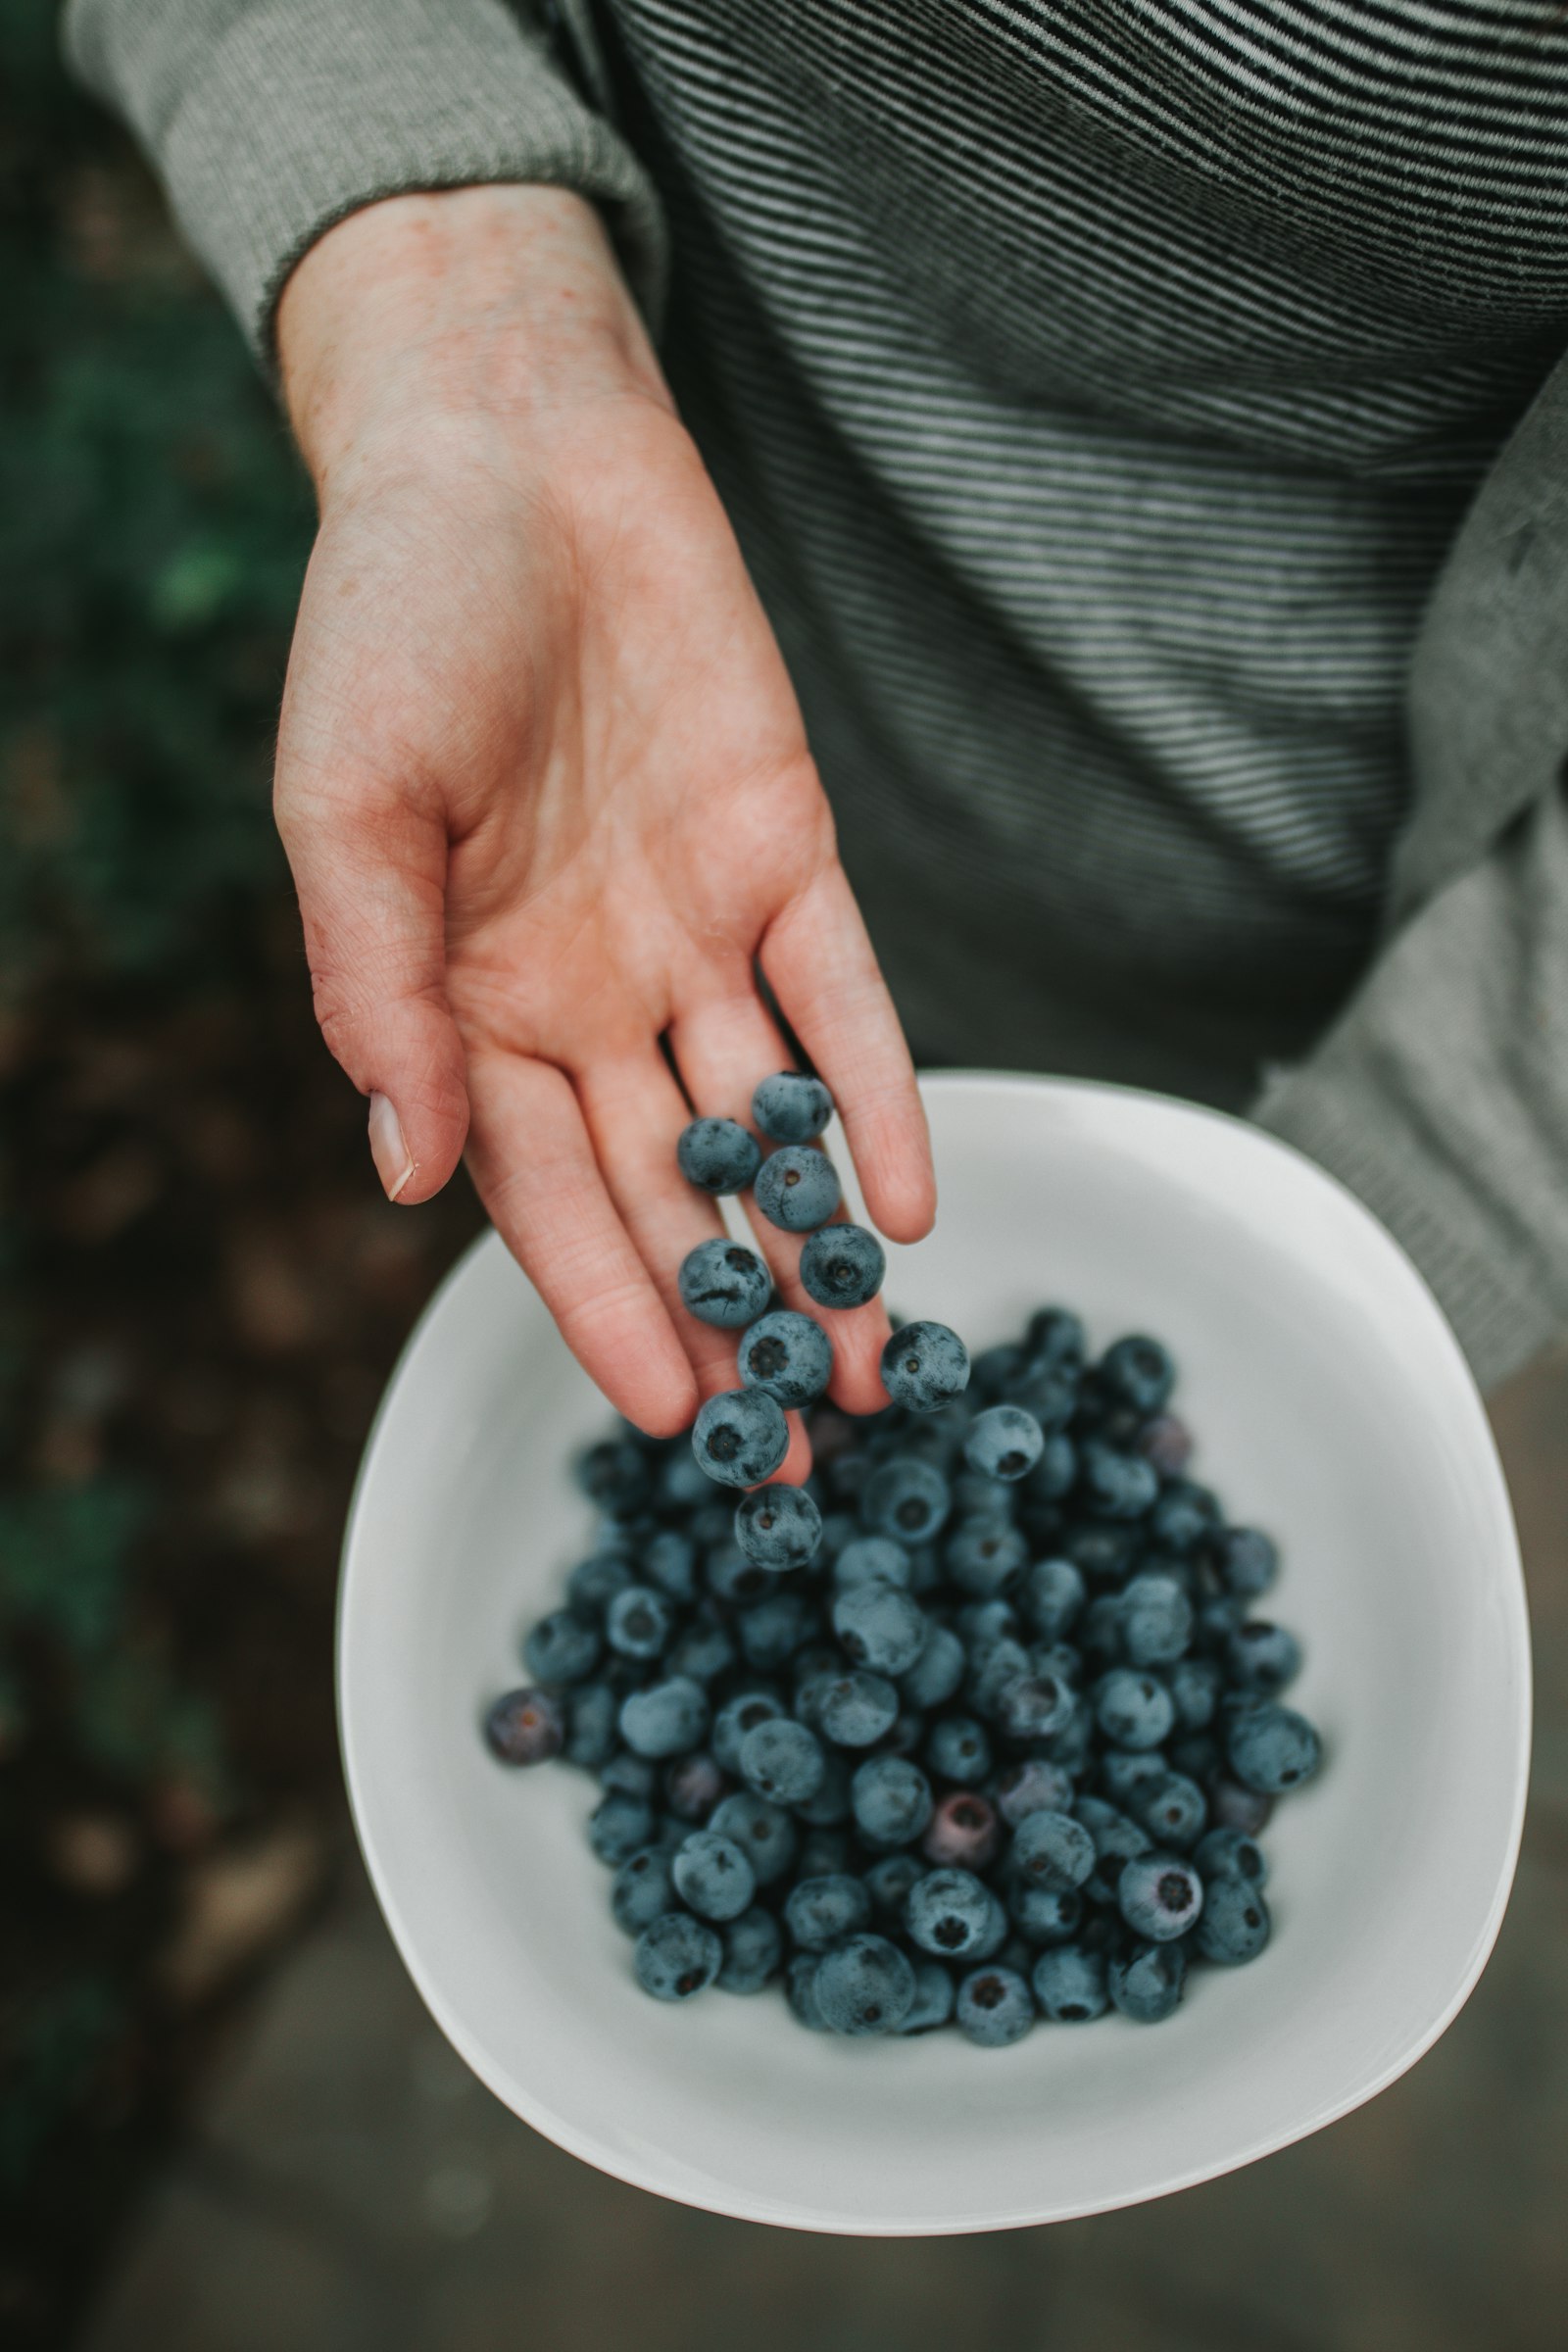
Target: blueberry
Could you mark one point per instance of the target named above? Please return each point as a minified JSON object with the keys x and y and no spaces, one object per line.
{"x":872,"y":1560}
{"x":726,"y":1284}
{"x":764,"y":1833}
{"x":994,"y":1663}
{"x":679,"y":1485}
{"x":593,"y":1727}
{"x":957,"y":1749}
{"x":639,"y":1622}
{"x":890,"y":1800}
{"x":1272,"y":1749}
{"x":718,"y":1156}
{"x":865,"y":1986}
{"x":1167,"y":1442}
{"x":692,"y":1786}
{"x":1126,"y":1773}
{"x":1184,"y":1513}
{"x":619,"y":1825}
{"x":995,"y":1367}
{"x":1173,"y":1811}
{"x":880,"y":1627}
{"x":643,"y":1891}
{"x":906,"y":1499}
{"x":634,"y":1774}
{"x":937,"y":1672}
{"x":1146,"y":1982}
{"x":1032,"y":1706}
{"x":563,"y":1647}
{"x":739,"y":1438}
{"x":1156,"y":1620}
{"x":995,"y":2007}
{"x":733,"y":1575}
{"x":702,"y":1652}
{"x":1032,"y":1787}
{"x":525,"y":1727}
{"x":1160,"y":1896}
{"x":1248,"y":1561}
{"x":753,"y":1948}
{"x":986,"y":1557}
{"x":800,"y":1990}
{"x":738,"y":1716}
{"x":1231,"y":1853}
{"x":963,"y":1830}
{"x":789,"y":1357}
{"x":1234,"y":1925}
{"x":856,"y":1708}
{"x":1051,"y":1596}
{"x":775,"y":1629}
{"x":791,"y":1108}
{"x":831,"y":1802}
{"x":1262,"y":1657}
{"x":1057,"y":1470}
{"x":782,"y":1761}
{"x":1103,"y":1548}
{"x":615,"y":1476}
{"x":842,"y":1266}
{"x":778,"y":1527}
{"x":670,"y":1559}
{"x":798,"y":1189}
{"x":677,"y":1956}
{"x":1117,"y":1840}
{"x":1070,"y":1985}
{"x":1233,"y":1807}
{"x":713,"y":1875}
{"x":932,"y":2005}
{"x":889,"y":1880}
{"x":1113,"y":1484}
{"x":1194,"y":1685}
{"x":665,"y":1719}
{"x":1051,"y":1850}
{"x":1003,"y":1442}
{"x":1133,"y":1709}
{"x":818,"y":1911}
{"x":954,"y":1915}
{"x":1138,"y":1371}
{"x":924,"y":1366}
{"x":1055,"y":1336}
{"x":594,"y":1582}
{"x":1044,"y":1913}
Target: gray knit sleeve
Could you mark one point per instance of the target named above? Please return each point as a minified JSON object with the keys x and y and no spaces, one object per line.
{"x":269,"y":119}
{"x":1441,"y":1095}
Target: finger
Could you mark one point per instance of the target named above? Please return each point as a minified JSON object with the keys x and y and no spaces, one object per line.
{"x":722,"y":1046}
{"x":634,"y":1113}
{"x":370,"y":873}
{"x":822,"y":967}
{"x":534,"y":1167}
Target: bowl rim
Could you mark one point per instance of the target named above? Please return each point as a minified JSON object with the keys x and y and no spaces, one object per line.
{"x":639,"y":2173}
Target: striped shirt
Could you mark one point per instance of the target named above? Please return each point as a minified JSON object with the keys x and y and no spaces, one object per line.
{"x":1095,"y":386}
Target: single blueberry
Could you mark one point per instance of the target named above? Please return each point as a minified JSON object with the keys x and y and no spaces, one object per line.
{"x":1173,"y":1811}
{"x":865,"y":1986}
{"x":525,"y":1727}
{"x":694,"y":1784}
{"x":593,"y":1724}
{"x":1231,"y":1853}
{"x":773,"y":1630}
{"x":679,"y":1484}
{"x":1051,"y":1596}
{"x":842,"y":1266}
{"x":1248,"y":1561}
{"x":1133,"y":1709}
{"x":1160,"y":1896}
{"x":937,"y":1672}
{"x":854,"y":1710}
{"x":1272,"y":1749}
{"x":1055,"y":1472}
{"x":954,"y":1915}
{"x":643,"y":1891}
{"x":1113,"y":1484}
{"x":800,"y":1990}
{"x":636,"y":1775}
{"x":995,"y":2007}
{"x":677,"y":1956}
{"x":1032,"y":1706}
{"x":669,"y":1558}
{"x":665,"y":1719}
{"x":594,"y":1582}
{"x":1032,"y":1787}
{"x":1156,"y":1620}
{"x":718,"y":1156}
{"x":1194,"y":1686}
{"x":738,"y":1716}
{"x":1233,"y":1807}
{"x":726,"y":1284}
{"x":778,"y":1527}
{"x":1234,"y":1925}
{"x":963,"y":1830}
{"x":615,"y":1475}
{"x":1184,"y":1513}
{"x":1044,"y":1914}
{"x":739,"y":1438}
{"x":1146,"y":1984}
{"x":1262,"y":1657}
{"x":798,"y":1189}
{"x":831,"y":1803}
{"x":889,"y":1880}
{"x":563,"y":1647}
{"x":1138,"y":1371}
{"x":1069,"y":1983}
{"x":619,"y":1825}
{"x":789,"y":1357}
{"x":764,"y":1833}
{"x":880,"y":1627}
{"x":753,"y":1949}
{"x":702,"y":1652}
{"x":1003,"y":1442}
{"x":906,"y":1499}
{"x":639,"y":1622}
{"x":957,"y":1749}
{"x":790,"y":1108}
{"x":1051,"y":1850}
{"x":713,"y":1875}
{"x":986,"y":1557}
{"x":1126,"y":1773}
{"x":890,"y":1800}
{"x":872,"y":1560}
{"x":782,"y":1761}
{"x":818,"y":1911}
{"x":932,"y":2005}
{"x":1167,"y":1442}
{"x":924,"y":1366}
{"x":1055,"y":1336}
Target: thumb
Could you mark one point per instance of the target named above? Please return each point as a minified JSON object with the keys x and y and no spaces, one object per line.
{"x":370,"y":873}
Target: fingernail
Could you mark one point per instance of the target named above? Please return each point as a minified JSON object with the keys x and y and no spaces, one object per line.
{"x":387,"y":1147}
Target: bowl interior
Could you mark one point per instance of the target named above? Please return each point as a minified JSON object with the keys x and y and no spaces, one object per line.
{"x":1332,"y":1407}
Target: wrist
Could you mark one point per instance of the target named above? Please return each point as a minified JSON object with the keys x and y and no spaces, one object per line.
{"x":455,"y":314}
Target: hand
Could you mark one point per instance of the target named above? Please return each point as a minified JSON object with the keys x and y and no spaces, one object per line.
{"x":544,"y":786}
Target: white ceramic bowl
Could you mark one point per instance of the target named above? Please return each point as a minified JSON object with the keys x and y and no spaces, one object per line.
{"x":1333,"y":1408}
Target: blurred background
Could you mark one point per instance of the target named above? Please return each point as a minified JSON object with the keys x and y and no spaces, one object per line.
{"x":224,"y":2121}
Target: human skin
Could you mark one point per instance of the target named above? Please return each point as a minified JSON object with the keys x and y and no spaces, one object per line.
{"x":544,"y":786}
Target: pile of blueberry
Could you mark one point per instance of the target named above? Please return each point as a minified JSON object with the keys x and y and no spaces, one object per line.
{"x":973,"y":1726}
